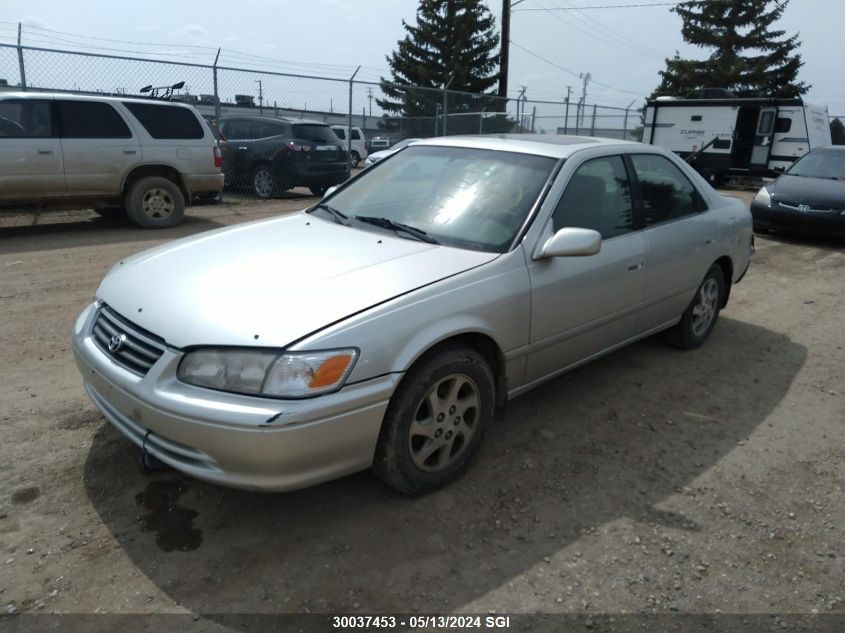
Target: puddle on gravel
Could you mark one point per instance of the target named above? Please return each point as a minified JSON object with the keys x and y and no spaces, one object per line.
{"x":172,"y":524}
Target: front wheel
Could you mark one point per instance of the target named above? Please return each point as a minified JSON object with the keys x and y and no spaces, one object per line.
{"x":155,"y":202}
{"x":435,"y":421}
{"x":700,"y":317}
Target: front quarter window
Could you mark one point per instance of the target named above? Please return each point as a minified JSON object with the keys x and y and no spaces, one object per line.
{"x":463,"y":197}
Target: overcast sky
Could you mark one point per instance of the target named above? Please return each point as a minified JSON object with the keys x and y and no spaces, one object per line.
{"x":623,"y":49}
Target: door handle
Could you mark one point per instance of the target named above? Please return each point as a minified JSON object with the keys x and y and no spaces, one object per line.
{"x":45,"y":152}
{"x":129,"y":151}
{"x":634,"y":267}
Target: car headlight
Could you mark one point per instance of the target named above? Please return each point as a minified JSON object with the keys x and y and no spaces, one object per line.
{"x":268,"y":373}
{"x":763,"y":197}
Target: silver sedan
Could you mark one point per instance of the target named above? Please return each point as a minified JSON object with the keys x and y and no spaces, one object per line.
{"x":383,"y":326}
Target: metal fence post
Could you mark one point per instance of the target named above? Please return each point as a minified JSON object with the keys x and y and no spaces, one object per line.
{"x":625,"y":126}
{"x":349,"y":128}
{"x":216,"y":94}
{"x":593,"y":124}
{"x":20,"y":60}
{"x":566,"y":118}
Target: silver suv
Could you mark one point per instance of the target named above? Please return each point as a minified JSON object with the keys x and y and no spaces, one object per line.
{"x":152,"y":157}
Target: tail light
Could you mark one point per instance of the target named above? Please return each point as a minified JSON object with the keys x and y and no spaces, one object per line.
{"x":218,"y":157}
{"x":299,"y":147}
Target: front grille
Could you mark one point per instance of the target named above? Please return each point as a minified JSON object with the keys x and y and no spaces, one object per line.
{"x":794,"y":206}
{"x":137,"y":350}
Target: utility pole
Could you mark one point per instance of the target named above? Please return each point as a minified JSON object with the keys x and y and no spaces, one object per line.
{"x":370,"y":97}
{"x":260,"y":97}
{"x":504,"y":45}
{"x":566,"y":116}
{"x":585,"y":77}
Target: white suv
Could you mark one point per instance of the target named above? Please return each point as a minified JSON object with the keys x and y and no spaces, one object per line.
{"x":359,"y":147}
{"x":150,"y":156}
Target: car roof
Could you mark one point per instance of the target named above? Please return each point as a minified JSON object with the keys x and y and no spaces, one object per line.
{"x":91,"y":97}
{"x":552,"y":145}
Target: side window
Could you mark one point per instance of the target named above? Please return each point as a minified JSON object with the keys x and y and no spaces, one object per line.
{"x":166,"y":121}
{"x":598,"y":197}
{"x":783,"y":125}
{"x":666,"y":193}
{"x":356,"y":136}
{"x":90,"y":119}
{"x":269,"y":128}
{"x":26,"y":118}
{"x":341,"y":133}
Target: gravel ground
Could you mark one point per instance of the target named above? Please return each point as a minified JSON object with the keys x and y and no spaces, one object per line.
{"x":650,"y":481}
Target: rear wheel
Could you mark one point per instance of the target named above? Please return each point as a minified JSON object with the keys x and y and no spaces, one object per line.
{"x":318,"y":190}
{"x":435,"y":421}
{"x":264,"y":182}
{"x":356,"y":158}
{"x":155,"y":202}
{"x":700,"y":317}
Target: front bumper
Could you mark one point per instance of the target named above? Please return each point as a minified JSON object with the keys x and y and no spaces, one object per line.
{"x":229,"y":439}
{"x":775,"y":217}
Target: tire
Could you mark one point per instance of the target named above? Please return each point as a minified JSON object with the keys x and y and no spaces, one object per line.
{"x":759,"y":228}
{"x":356,"y":158}
{"x":155,"y":202}
{"x":435,"y":421}
{"x":701,"y":315}
{"x":263,"y":182}
{"x":318,"y":190}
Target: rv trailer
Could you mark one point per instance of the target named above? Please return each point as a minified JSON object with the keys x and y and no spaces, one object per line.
{"x":736,"y":138}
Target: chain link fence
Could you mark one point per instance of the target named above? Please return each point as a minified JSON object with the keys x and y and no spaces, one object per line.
{"x":384,"y":111}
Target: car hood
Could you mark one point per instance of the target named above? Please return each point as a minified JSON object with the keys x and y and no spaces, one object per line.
{"x":272,"y":282}
{"x":821,"y":193}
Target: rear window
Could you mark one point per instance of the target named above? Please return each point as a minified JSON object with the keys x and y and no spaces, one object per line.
{"x":166,"y":122}
{"x":90,"y":119}
{"x":314,"y":132}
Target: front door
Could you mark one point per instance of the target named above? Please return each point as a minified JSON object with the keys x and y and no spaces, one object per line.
{"x":763,"y":138}
{"x":581,"y":306}
{"x":30,"y":152}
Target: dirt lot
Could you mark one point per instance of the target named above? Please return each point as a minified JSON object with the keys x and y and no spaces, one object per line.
{"x":652,"y":481}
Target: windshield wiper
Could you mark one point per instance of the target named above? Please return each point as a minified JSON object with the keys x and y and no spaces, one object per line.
{"x":338,"y":216}
{"x":387,"y":223}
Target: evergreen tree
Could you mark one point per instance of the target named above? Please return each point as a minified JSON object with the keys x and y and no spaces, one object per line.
{"x":837,"y":132}
{"x":747,"y":57}
{"x":453,"y":41}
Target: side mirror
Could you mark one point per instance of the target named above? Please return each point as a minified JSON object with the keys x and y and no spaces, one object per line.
{"x":572,"y":242}
{"x":330,"y":191}
{"x":780,"y":169}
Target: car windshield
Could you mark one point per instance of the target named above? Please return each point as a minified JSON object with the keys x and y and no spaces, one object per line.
{"x":468,"y":198}
{"x":314,"y":132}
{"x":821,"y":164}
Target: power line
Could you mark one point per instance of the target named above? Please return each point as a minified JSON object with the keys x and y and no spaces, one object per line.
{"x":572,"y":72}
{"x":610,"y":6}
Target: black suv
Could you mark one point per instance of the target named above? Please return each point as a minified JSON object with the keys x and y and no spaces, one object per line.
{"x":271,"y":155}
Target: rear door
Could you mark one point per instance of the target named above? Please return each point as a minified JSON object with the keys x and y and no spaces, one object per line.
{"x":30,"y":151}
{"x":680,"y":238}
{"x":98,"y":147}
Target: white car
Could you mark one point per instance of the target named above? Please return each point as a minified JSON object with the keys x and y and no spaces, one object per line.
{"x":359,"y":148}
{"x":375,"y":157}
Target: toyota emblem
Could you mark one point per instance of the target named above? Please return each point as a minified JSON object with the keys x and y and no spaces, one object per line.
{"x":116,"y":342}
